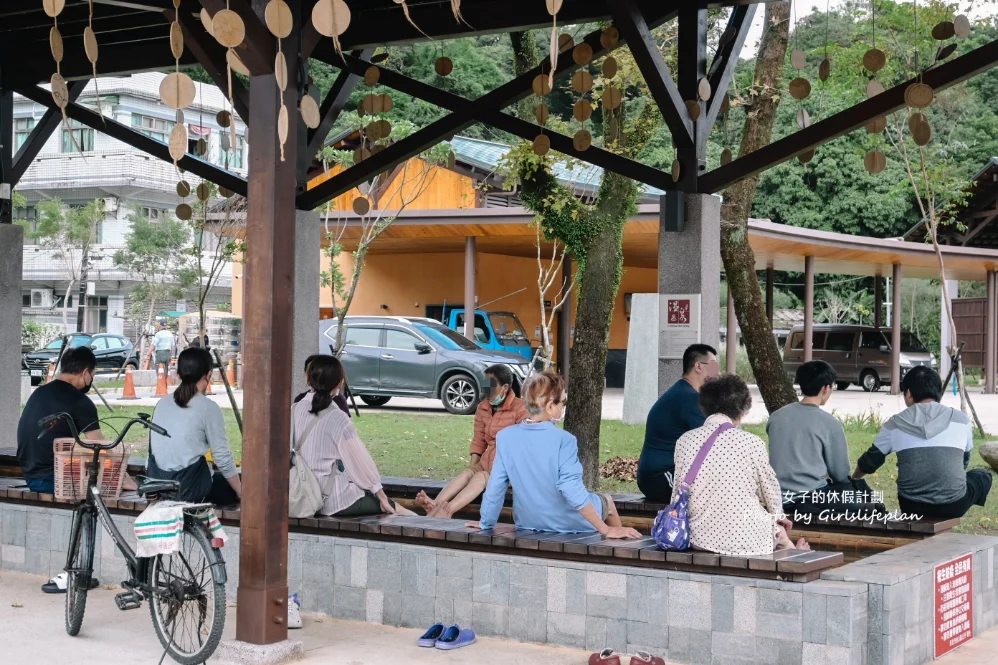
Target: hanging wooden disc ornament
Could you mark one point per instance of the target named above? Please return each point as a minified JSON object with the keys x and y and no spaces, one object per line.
{"x":554,"y":6}
{"x":582,"y":110}
{"x":278,"y":18}
{"x":877,"y":125}
{"x":235,"y":63}
{"x":90,"y":44}
{"x":726,"y":156}
{"x":282,"y":128}
{"x":443,"y":66}
{"x":177,"y":90}
{"x":228,"y":28}
{"x":565,"y":42}
{"x":612,"y":97}
{"x":677,"y":170}
{"x":360,"y":154}
{"x":178,"y":142}
{"x":693,"y":109}
{"x":361,"y":205}
{"x":55,"y":44}
{"x":225,"y":141}
{"x":180,"y":117}
{"x":372,"y":75}
{"x":582,"y":81}
{"x":184,"y":212}
{"x":60,"y":91}
{"x":541,"y":113}
{"x":609,"y":37}
{"x":331,"y":17}
{"x":921,"y":130}
{"x":451,"y":159}
{"x":203,"y":191}
{"x":806,"y":156}
{"x":875,"y":162}
{"x":943,"y":31}
{"x":582,"y":54}
{"x":703,"y":89}
{"x":803,"y":119}
{"x":610,"y":67}
{"x":945,"y":51}
{"x":225,"y":192}
{"x":961,"y":26}
{"x":201,"y":148}
{"x":582,"y":140}
{"x":206,"y":22}
{"x":310,"y":113}
{"x":176,"y":40}
{"x":541,"y":85}
{"x":800,"y":88}
{"x":725,"y":104}
{"x":53,"y":7}
{"x":542,"y":145}
{"x":824,"y":69}
{"x":798,"y":60}
{"x":874,"y":88}
{"x":918,"y":95}
{"x":183,"y":189}
{"x":223,"y":118}
{"x":874,"y":60}
{"x":380,"y":57}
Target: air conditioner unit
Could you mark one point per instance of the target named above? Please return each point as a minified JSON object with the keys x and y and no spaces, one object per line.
{"x":42,"y":298}
{"x":111,"y":204}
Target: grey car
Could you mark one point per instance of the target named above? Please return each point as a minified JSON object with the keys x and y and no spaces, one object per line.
{"x":389,"y":356}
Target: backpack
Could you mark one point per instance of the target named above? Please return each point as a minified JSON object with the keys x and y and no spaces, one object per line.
{"x":671,"y":529}
{"x":305,"y":498}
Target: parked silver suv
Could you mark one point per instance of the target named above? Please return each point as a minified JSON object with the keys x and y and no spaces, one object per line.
{"x":391,"y":356}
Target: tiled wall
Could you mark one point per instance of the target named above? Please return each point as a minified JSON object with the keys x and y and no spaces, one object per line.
{"x":877,"y":611}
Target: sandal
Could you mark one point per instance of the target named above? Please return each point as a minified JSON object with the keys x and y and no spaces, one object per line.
{"x":604,"y":657}
{"x":58,"y":584}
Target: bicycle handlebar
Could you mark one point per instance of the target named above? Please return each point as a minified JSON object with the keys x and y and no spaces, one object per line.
{"x":48,"y":422}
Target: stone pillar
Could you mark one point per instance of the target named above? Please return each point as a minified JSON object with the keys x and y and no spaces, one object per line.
{"x":308,"y":256}
{"x":949,"y":289}
{"x":731,"y":339}
{"x":990,"y":332}
{"x":690,"y":262}
{"x":808,"y":307}
{"x":896,"y":331}
{"x":470,"y":271}
{"x":11,"y":264}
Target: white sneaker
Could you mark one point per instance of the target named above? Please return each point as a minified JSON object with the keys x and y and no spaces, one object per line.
{"x":294,"y":611}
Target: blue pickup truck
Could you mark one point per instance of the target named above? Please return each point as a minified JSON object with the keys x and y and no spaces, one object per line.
{"x":498,"y":331}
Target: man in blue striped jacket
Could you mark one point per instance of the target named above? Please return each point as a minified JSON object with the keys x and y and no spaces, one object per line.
{"x":933,"y":445}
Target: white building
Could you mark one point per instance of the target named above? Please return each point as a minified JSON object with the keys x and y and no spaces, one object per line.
{"x":125,"y":179}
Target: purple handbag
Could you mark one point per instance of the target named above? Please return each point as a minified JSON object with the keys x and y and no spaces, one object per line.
{"x":672,"y":525}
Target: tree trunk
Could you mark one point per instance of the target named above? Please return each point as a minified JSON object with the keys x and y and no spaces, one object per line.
{"x":81,"y":306}
{"x":739,"y":260}
{"x":65,"y":306}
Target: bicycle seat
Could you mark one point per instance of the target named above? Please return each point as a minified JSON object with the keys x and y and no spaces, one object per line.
{"x":154,"y":486}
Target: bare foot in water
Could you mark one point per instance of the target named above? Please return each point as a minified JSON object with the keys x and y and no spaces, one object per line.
{"x":424,"y":501}
{"x":442,"y":509}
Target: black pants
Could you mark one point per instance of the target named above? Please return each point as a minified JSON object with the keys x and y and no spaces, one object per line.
{"x":978,"y":486}
{"x":197,"y":483}
{"x":365,"y":505}
{"x":657,"y":487}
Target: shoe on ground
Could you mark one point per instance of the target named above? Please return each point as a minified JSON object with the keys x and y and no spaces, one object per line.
{"x":432,"y":634}
{"x":456,"y":637}
{"x":645,"y":658}
{"x":604,"y":657}
{"x":58,"y":583}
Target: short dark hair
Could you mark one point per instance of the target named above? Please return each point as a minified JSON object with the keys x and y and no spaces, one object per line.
{"x":696,"y":353}
{"x":814,"y":375}
{"x":923,"y":383}
{"x":726,"y":394}
{"x":503,"y":374}
{"x":78,"y":360}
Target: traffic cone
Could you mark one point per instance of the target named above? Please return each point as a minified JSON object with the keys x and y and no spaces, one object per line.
{"x":129,"y":391}
{"x":173,"y":375}
{"x":230,"y":373}
{"x":51,"y":373}
{"x":211,"y":375}
{"x":160,"y":381}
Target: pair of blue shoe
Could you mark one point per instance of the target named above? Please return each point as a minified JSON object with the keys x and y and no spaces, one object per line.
{"x":441,"y":637}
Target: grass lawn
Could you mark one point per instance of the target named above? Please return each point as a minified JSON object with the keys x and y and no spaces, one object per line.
{"x":436,"y":447}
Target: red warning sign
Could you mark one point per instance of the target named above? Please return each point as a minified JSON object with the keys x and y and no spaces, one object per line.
{"x":954,"y":604}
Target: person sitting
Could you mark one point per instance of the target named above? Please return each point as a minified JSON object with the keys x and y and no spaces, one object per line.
{"x":807,"y":446}
{"x":338,"y":399}
{"x":196,"y":425}
{"x":542,"y":462}
{"x":933,"y":445}
{"x":347,"y":475}
{"x":735,"y":505}
{"x":676,"y":412}
{"x":499,"y":410}
{"x":66,"y":393}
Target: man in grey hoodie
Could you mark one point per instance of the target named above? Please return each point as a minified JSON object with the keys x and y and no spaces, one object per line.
{"x":933,"y":445}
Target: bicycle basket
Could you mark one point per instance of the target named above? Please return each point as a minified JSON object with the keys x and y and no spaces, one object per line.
{"x":71,"y":470}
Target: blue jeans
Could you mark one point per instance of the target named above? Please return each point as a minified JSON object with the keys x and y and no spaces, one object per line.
{"x":41,"y":485}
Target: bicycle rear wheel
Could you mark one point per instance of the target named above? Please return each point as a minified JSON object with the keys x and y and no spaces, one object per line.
{"x":188,"y":601}
{"x":80,"y":567}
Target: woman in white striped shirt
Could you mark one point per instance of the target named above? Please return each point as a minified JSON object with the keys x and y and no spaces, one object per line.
{"x":348,"y":477}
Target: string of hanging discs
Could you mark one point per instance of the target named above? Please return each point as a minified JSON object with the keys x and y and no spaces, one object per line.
{"x":800,"y":88}
{"x":874,"y":60}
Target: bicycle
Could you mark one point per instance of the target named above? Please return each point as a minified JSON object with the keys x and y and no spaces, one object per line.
{"x":186,"y":585}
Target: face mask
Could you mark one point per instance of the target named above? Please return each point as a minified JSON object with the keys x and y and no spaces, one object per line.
{"x":497,"y":401}
{"x":86,"y":389}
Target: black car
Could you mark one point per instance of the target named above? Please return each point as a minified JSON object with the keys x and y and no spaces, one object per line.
{"x":112,"y":352}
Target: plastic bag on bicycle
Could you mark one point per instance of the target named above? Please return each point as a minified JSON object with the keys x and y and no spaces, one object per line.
{"x":158,"y":528}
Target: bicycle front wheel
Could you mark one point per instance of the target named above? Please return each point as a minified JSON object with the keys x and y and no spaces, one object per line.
{"x":79,"y":568}
{"x":188,"y":597}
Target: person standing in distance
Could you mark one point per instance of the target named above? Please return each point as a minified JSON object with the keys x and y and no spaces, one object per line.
{"x":165,"y":344}
{"x":676,"y":412}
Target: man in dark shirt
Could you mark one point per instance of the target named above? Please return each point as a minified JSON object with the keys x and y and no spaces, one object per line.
{"x":676,"y":412}
{"x":66,"y":393}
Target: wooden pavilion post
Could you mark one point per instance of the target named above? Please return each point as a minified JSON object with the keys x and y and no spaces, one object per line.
{"x":990,"y":335}
{"x":808,"y":307}
{"x":896,"y":331}
{"x":470,"y":273}
{"x":262,"y":612}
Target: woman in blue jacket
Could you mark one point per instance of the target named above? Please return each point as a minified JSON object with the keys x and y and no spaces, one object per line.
{"x":542,"y":463}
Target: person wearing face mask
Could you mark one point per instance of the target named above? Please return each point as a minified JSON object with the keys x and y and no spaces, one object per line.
{"x":66,"y":394}
{"x":196,"y":425}
{"x":542,"y":462}
{"x":500,"y":409}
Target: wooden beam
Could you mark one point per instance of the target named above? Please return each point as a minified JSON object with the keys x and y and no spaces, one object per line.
{"x":32,"y":145}
{"x":333,"y":104}
{"x":115,"y":60}
{"x":722,"y":68}
{"x":211,"y":55}
{"x":257,"y":50}
{"x":938,"y":78}
{"x":137,"y":140}
{"x":692,"y":68}
{"x":631,"y":23}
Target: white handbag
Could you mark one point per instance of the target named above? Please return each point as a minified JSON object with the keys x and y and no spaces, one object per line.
{"x":304,"y":495}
